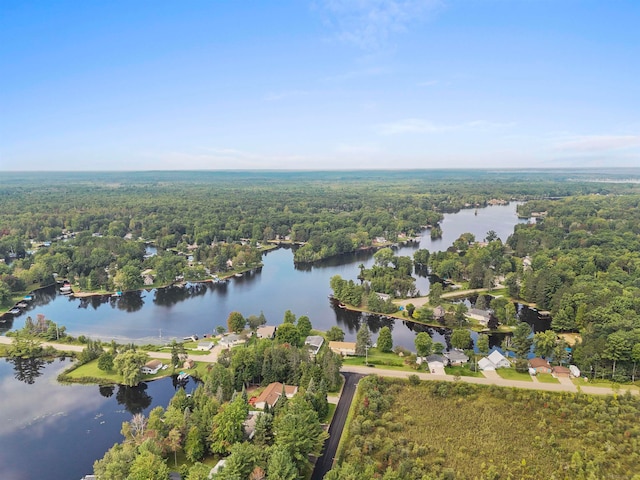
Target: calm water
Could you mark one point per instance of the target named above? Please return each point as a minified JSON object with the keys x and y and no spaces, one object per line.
{"x":158,"y":315}
{"x":54,"y":431}
{"x":68,"y":427}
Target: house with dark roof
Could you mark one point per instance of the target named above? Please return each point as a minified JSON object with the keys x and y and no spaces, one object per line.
{"x":456,"y":357}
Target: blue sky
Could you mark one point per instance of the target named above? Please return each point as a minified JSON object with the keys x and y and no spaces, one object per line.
{"x":321,"y":84}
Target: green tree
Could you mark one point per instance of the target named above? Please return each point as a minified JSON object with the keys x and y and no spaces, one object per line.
{"x":236,"y":322}
{"x":129,"y":364}
{"x":148,"y":466}
{"x":544,"y":343}
{"x":483,"y":343}
{"x":363,"y":339}
{"x":281,"y":465}
{"x":435,"y":293}
{"x":288,"y":333}
{"x":178,"y":353}
{"x":461,"y":339}
{"x":174,"y":441}
{"x":385,"y":341}
{"x":424,"y":344}
{"x":335,"y":334}
{"x":128,"y":278}
{"x":298,"y":431}
{"x":227,"y":426}
{"x":617,"y":348}
{"x":199,"y":471}
{"x":289,"y":317}
{"x":304,"y":326}
{"x":522,"y":340}
{"x":105,"y":362}
{"x":383,"y":257}
{"x":116,"y":462}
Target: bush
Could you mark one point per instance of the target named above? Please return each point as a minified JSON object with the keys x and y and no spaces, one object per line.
{"x":522,"y":366}
{"x":414,"y":379}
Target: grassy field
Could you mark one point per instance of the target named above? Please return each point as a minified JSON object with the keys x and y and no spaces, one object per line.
{"x":463,"y":431}
{"x":379,"y":359}
{"x":511,"y":374}
{"x":462,"y":371}
{"x":546,"y":378}
{"x":91,"y":370}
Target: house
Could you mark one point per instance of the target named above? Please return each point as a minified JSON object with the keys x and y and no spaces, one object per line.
{"x":481,"y":316}
{"x":272,"y":393}
{"x":343,"y":348}
{"x":493,"y":361}
{"x":148,"y":280}
{"x":266,"y":331}
{"x":188,"y":363}
{"x":249,"y":424}
{"x":383,"y":296}
{"x":152,"y":367}
{"x":438,"y":313}
{"x":539,"y":365}
{"x":434,"y":361}
{"x":314,"y":342}
{"x":456,"y":357}
{"x":561,"y":371}
{"x":205,"y":346}
{"x":232,"y":340}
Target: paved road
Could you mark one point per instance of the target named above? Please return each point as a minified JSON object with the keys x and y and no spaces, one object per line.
{"x":211,"y":357}
{"x":325,"y":462}
{"x":497,"y":380}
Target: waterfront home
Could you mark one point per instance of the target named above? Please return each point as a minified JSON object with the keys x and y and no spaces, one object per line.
{"x":539,"y":365}
{"x":272,"y":393}
{"x":266,"y":331}
{"x":493,"y":361}
{"x":152,"y":367}
{"x":343,"y":348}
{"x":205,"y":346}
{"x":188,"y":363}
{"x":456,"y":357}
{"x":435,"y":362}
{"x":438,"y":313}
{"x":232,"y":340}
{"x":481,"y":316}
{"x":314,"y":342}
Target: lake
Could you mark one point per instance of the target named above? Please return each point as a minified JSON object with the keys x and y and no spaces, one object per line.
{"x":68,"y":427}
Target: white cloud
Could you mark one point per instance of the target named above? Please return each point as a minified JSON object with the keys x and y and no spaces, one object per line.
{"x":369,"y":23}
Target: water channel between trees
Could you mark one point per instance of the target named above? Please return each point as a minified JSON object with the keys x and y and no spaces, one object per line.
{"x":74,"y":425}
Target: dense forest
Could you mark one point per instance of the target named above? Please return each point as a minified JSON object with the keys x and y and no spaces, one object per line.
{"x":93,"y":229}
{"x":437,"y":431}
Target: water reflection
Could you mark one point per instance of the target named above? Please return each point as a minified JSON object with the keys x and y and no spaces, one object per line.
{"x":134,"y":399}
{"x":130,"y":301}
{"x":106,"y":390}
{"x":28,"y":369}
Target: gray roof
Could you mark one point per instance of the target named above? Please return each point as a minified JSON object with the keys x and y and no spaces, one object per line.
{"x":456,"y":356}
{"x":436,"y":358}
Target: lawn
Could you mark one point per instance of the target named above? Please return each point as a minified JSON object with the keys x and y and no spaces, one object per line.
{"x":332,"y":410}
{"x":511,"y":374}
{"x":91,"y":370}
{"x":547,"y":378}
{"x":462,"y":371}
{"x":379,"y":359}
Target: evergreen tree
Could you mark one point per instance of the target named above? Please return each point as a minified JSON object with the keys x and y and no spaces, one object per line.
{"x":363,"y":339}
{"x":385,"y":341}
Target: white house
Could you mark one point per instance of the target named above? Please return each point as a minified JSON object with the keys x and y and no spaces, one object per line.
{"x":205,"y":346}
{"x":266,"y":331}
{"x":493,"y":361}
{"x":152,"y":367}
{"x":575,"y":371}
{"x":231,"y":340}
{"x":314,"y":342}
{"x":482,"y":316}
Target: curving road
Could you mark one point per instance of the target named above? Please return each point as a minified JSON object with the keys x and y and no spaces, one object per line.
{"x":325,"y":462}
